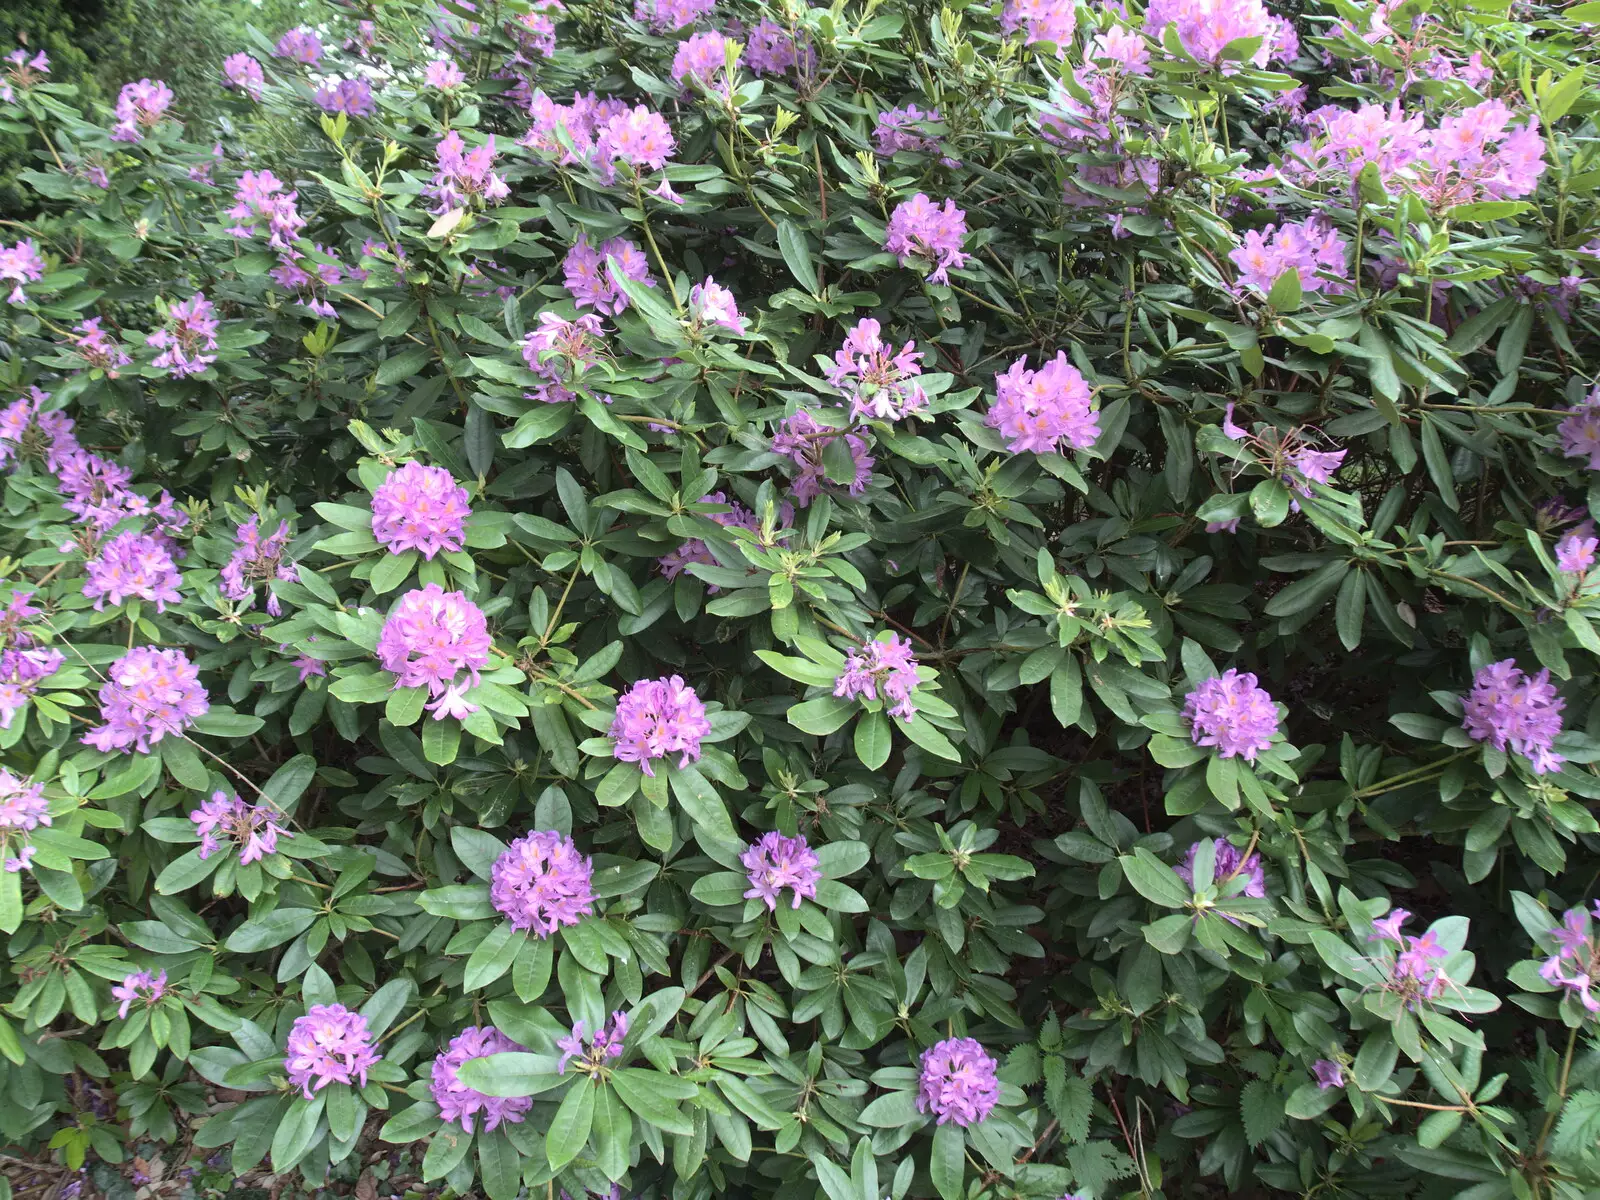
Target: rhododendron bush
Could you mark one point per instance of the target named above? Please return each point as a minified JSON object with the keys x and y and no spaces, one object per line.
{"x":707,"y":599}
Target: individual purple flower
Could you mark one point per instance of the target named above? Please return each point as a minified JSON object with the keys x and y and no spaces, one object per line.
{"x":301,"y":46}
{"x":132,"y":566}
{"x":1229,"y":862}
{"x":957,"y":1082}
{"x":190,"y":335}
{"x":1052,"y":21}
{"x":22,"y":670}
{"x":330,"y":1044}
{"x":21,"y":263}
{"x":541,"y":883}
{"x":353,"y":97}
{"x":23,"y":806}
{"x":252,"y":828}
{"x":465,"y":177}
{"x":883,"y":669}
{"x":1038,"y":410}
{"x":444,"y":75}
{"x":777,"y":862}
{"x":637,"y":136}
{"x":921,"y":230}
{"x":139,"y":987}
{"x":1579,"y":430}
{"x":1126,"y":50}
{"x":1312,"y":249}
{"x":457,"y":1102}
{"x":656,"y":718}
{"x":560,"y":351}
{"x":702,"y":60}
{"x":1230,"y":712}
{"x":1387,"y":929}
{"x":256,"y":559}
{"x":98,"y":348}
{"x":897,"y":130}
{"x":260,"y":197}
{"x":769,"y":50}
{"x":879,"y":380}
{"x":591,"y":281}
{"x":141,"y":107}
{"x":1576,"y":964}
{"x":802,"y":438}
{"x":149,"y":693}
{"x":241,"y":72}
{"x":1328,"y":1074}
{"x":1511,"y":710}
{"x":1416,"y":974}
{"x":22,"y":72}
{"x":712,"y":304}
{"x":430,"y":638}
{"x":593,"y":1053}
{"x":663,"y":16}
{"x":420,"y":508}
{"x":1575,"y":551}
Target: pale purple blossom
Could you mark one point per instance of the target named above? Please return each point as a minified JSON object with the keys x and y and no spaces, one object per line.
{"x":149,"y":693}
{"x":777,"y":862}
{"x":1051,"y":21}
{"x":444,"y":75}
{"x":803,"y":438}
{"x":252,"y":828}
{"x":702,"y":61}
{"x":330,"y":1044}
{"x":420,"y":508}
{"x":1575,"y":551}
{"x":1387,"y":928}
{"x":430,"y":639}
{"x":656,"y":718}
{"x":1124,"y":48}
{"x":139,"y":987}
{"x":132,"y":566}
{"x":922,"y":230}
{"x":769,"y":49}
{"x":21,"y":263}
{"x":22,"y":72}
{"x":664,"y":16}
{"x":301,"y":46}
{"x":898,"y":129}
{"x":712,"y":304}
{"x":465,"y":177}
{"x":353,"y":97}
{"x":1328,"y":1074}
{"x":1580,"y":430}
{"x":256,"y":559}
{"x":141,"y":107}
{"x":1514,"y":711}
{"x":1038,"y":410}
{"x":879,"y":380}
{"x":1228,"y":863}
{"x":1231,"y":713}
{"x":99,"y":349}
{"x":260,"y":197}
{"x":560,"y":351}
{"x":541,"y":883}
{"x":593,"y":1053}
{"x":1312,"y":249}
{"x":458,"y":1103}
{"x":1207,"y":27}
{"x":957,"y":1082}
{"x":884,"y":670}
{"x":23,"y":806}
{"x":242,"y":72}
{"x":593,"y":283}
{"x":1576,"y":964}
{"x":188,"y":339}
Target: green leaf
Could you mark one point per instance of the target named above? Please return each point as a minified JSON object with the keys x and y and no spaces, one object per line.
{"x":492,"y":957}
{"x":1154,"y":880}
{"x":448,"y":1147}
{"x":387,"y":1003}
{"x":822,"y":715}
{"x":1260,"y":1110}
{"x":293,"y":1137}
{"x":463,"y":902}
{"x":873,"y":740}
{"x":947,"y":1162}
{"x":412,"y":1123}
{"x":271,"y":930}
{"x":512,"y":1074}
{"x":1269,"y":501}
{"x":477,"y":850}
{"x":499,"y":1166}
{"x":701,"y":801}
{"x":922,"y":732}
{"x":289,"y":782}
{"x":179,"y":757}
{"x":403,"y":365}
{"x":893,"y":1110}
{"x":1287,"y":294}
{"x":644,"y":1092}
{"x":720,"y":888}
{"x":1304,"y":595}
{"x":569,"y":1129}
{"x":183,"y":872}
{"x":390,"y":571}
{"x":797,"y":255}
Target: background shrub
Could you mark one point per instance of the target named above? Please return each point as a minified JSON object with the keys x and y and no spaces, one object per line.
{"x":889,"y":599}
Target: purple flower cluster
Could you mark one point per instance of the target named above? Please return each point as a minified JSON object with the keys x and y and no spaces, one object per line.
{"x":253,"y":828}
{"x":241,"y":72}
{"x":897,"y":130}
{"x":639,"y":137}
{"x":22,"y":72}
{"x":353,"y":97}
{"x":957,"y":1082}
{"x":694,"y":550}
{"x":712,"y":304}
{"x":922,"y":230}
{"x":1312,"y":249}
{"x":1576,"y":963}
{"x":258,"y":559}
{"x":1511,"y":710}
{"x":1052,"y":21}
{"x":98,"y":348}
{"x":330,"y":1044}
{"x":420,"y":508}
{"x":429,"y":639}
{"x":663,"y":16}
{"x":444,"y":75}
{"x":1038,"y":410}
{"x":24,"y":664}
{"x":21,"y":263}
{"x":1415,"y":975}
{"x":301,"y":46}
{"x":259,"y":197}
{"x":879,"y":381}
{"x":1206,"y":27}
{"x":1575,"y":551}
{"x":459,"y":1103}
{"x":465,"y":177}
{"x":594,"y":1052}
{"x":1580,"y":430}
{"x":23,"y":808}
{"x":560,"y":351}
{"x":702,"y":61}
{"x":1228,"y":863}
{"x":535,"y":30}
{"x":656,"y":718}
{"x":139,"y":987}
{"x":591,"y":281}
{"x":132,"y":566}
{"x":140,"y":108}
{"x":802,"y":438}
{"x":541,"y":882}
{"x":1230,"y":712}
{"x":309,"y":286}
{"x":580,"y":121}
{"x":883,"y":669}
{"x":770,"y":50}
{"x":190,"y":335}
{"x":777,"y":862}
{"x":148,"y":694}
